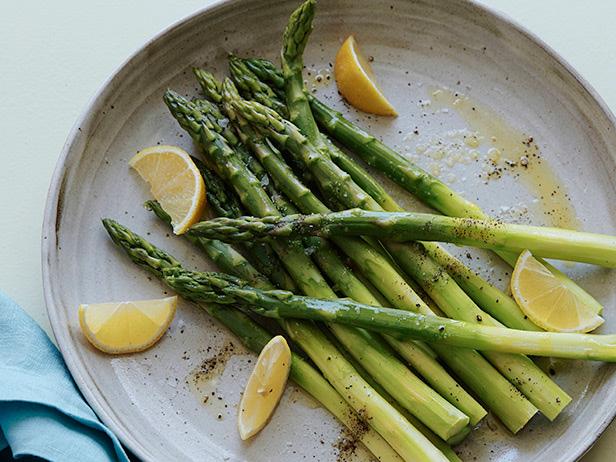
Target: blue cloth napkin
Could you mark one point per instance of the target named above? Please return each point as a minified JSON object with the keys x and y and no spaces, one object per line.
{"x":42,"y":413}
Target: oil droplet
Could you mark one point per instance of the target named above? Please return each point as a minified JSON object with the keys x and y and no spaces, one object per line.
{"x":494,"y":154}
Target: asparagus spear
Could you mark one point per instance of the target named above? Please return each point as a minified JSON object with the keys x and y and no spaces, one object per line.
{"x":254,"y":336}
{"x":409,"y":226}
{"x":437,"y":413}
{"x":372,"y":260}
{"x":278,"y":304}
{"x":443,"y":446}
{"x":294,"y":42}
{"x":540,"y":389}
{"x":266,"y":71}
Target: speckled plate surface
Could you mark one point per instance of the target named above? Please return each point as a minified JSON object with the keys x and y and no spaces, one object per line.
{"x":473,"y":92}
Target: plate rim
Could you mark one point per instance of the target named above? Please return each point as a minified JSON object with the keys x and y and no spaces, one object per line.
{"x":53,"y":207}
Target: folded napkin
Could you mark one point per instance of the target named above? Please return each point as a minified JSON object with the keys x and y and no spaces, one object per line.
{"x":42,"y":413}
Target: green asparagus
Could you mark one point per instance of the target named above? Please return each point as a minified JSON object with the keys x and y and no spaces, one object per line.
{"x":233,"y":263}
{"x":545,"y":242}
{"x":259,"y":92}
{"x":217,"y":287}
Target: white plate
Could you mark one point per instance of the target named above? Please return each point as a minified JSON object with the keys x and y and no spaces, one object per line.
{"x":149,"y":399}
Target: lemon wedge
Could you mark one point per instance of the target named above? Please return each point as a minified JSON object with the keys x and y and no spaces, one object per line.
{"x":175,"y":181}
{"x":356,"y":81}
{"x":547,"y":301}
{"x":265,"y":387}
{"x":126,"y":327}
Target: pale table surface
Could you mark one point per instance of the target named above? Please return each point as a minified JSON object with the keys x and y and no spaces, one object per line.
{"x":55,"y":55}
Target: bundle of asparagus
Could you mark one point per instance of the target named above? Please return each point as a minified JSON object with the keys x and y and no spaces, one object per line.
{"x":414,"y":313}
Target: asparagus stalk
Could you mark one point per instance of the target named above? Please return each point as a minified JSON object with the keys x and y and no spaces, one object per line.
{"x":540,"y":390}
{"x":437,"y":413}
{"x":266,"y":71}
{"x":294,"y":42}
{"x":221,"y":288}
{"x":254,"y":336}
{"x":370,"y":259}
{"x":409,"y":226}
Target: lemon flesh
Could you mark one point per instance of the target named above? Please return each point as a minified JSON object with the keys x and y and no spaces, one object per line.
{"x":547,"y":301}
{"x":356,"y":81}
{"x":126,"y":327}
{"x":265,"y":387}
{"x":175,"y":182}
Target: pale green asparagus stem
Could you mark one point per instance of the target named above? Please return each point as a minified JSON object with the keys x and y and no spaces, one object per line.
{"x":443,"y":446}
{"x":410,"y":226}
{"x":220,"y":288}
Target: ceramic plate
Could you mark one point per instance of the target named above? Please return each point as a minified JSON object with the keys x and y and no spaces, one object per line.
{"x":473,"y":91}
